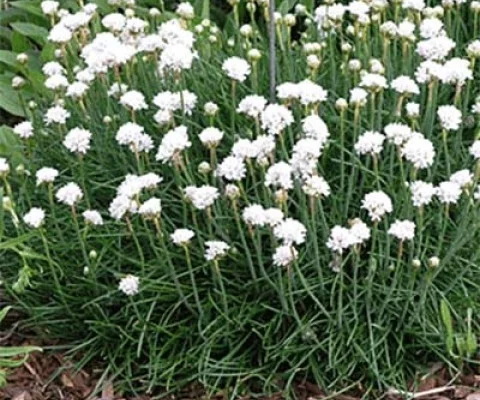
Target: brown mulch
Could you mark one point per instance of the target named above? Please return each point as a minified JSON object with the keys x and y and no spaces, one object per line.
{"x":51,"y":376}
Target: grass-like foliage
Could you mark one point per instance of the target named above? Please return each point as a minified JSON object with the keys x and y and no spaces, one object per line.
{"x":162,"y":215}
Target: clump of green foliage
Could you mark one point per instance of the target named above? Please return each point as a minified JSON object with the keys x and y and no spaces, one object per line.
{"x":344,"y":253}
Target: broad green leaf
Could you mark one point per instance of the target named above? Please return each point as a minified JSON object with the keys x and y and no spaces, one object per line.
{"x":36,"y":78}
{"x":103,"y":6}
{"x":48,"y":52}
{"x":9,"y":58}
{"x":32,"y":7}
{"x":10,"y":145}
{"x":10,"y":15}
{"x":10,"y":102}
{"x":35,"y":32}
{"x":286,"y":6}
{"x":20,"y":43}
{"x":5,"y":34}
{"x":202,"y":7}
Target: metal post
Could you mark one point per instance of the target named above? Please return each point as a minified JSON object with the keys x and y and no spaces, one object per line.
{"x":272,"y":51}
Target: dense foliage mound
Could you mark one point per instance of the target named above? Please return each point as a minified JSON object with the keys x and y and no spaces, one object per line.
{"x":160,"y":213}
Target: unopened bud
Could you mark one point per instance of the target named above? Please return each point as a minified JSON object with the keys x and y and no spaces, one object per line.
{"x":204,"y":168}
{"x":433,"y":262}
{"x":22,"y":58}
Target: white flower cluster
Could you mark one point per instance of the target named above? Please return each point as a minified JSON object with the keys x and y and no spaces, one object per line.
{"x":342,"y":238}
{"x":133,"y":135}
{"x":282,"y":152}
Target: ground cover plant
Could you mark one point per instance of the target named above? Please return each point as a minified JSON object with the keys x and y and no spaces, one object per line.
{"x":163,"y":214}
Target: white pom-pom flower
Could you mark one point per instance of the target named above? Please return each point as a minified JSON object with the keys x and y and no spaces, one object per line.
{"x":129,"y":285}
{"x":34,"y":218}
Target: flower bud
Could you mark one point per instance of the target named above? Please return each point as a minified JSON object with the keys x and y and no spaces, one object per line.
{"x":254,"y":55}
{"x":277,"y":18}
{"x":310,"y":48}
{"x":18,"y":82}
{"x":434,"y":262}
{"x":281,"y":196}
{"x":246,"y":30}
{"x":92,"y":255}
{"x":20,"y":169}
{"x":204,"y":168}
{"x":346,"y":48}
{"x":289,"y":20}
{"x":251,"y":7}
{"x":210,"y":109}
{"x":313,"y":61}
{"x":22,"y":58}
{"x":232,"y":191}
{"x":341,"y":104}
{"x":416,"y":263}
{"x":300,"y":9}
{"x":7,"y":203}
{"x":154,"y":12}
{"x":354,"y":65}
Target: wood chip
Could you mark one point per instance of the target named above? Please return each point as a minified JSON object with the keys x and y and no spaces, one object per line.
{"x":23,"y":396}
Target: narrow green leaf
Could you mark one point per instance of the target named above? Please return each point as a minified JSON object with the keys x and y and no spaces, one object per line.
{"x":447,"y":322}
{"x":2,"y":215}
{"x":17,"y":350}
{"x":7,"y":363}
{"x":3,"y":313}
